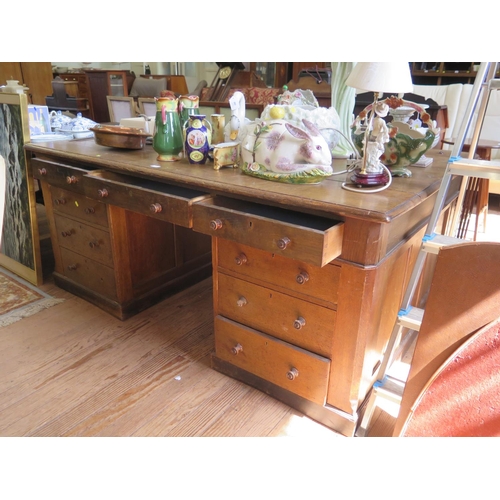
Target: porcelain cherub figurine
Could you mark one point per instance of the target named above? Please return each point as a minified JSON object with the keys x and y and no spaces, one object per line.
{"x":378,"y":137}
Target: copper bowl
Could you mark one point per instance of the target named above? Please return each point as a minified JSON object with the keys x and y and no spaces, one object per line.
{"x":120,"y":137}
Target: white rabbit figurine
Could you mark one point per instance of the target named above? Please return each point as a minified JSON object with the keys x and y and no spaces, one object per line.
{"x":280,"y":147}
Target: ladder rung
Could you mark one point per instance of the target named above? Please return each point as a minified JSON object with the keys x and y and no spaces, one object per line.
{"x":476,"y":168}
{"x":495,"y":83}
{"x":390,"y":388}
{"x":439,"y":241}
{"x":412,"y":319}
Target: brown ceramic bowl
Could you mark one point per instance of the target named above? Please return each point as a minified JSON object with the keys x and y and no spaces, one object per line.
{"x":120,"y":137}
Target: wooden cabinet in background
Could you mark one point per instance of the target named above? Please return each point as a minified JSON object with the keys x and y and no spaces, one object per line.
{"x":444,"y":73}
{"x":102,"y":83}
{"x":37,"y":76}
{"x":95,"y":85}
{"x":75,"y":84}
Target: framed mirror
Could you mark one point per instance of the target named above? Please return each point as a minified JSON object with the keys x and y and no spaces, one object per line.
{"x":20,"y":244}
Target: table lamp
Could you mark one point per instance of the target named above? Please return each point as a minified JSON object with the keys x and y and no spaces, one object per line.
{"x":379,"y":78}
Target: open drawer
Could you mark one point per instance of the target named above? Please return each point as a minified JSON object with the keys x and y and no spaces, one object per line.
{"x":155,"y":199}
{"x":308,"y":238}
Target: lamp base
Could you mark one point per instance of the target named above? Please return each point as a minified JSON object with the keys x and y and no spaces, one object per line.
{"x":371,"y":179}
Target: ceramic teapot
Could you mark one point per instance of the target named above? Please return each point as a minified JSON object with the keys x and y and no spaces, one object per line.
{"x":57,"y":120}
{"x":14,"y":87}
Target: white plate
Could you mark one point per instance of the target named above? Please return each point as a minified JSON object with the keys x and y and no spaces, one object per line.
{"x":50,"y":137}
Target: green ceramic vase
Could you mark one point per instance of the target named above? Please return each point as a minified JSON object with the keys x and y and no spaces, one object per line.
{"x":168,"y":140}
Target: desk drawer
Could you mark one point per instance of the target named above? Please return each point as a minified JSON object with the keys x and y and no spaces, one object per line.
{"x":59,"y":175}
{"x":291,"y":319}
{"x":318,"y":282}
{"x":77,"y":205}
{"x":89,"y":273}
{"x":84,"y":239}
{"x":312,"y":239}
{"x":282,"y":364}
{"x":155,"y":199}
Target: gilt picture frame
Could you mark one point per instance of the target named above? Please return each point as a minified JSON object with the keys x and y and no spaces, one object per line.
{"x":20,"y":244}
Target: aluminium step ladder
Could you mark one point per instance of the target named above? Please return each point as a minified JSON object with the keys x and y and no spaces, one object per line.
{"x":390,"y":385}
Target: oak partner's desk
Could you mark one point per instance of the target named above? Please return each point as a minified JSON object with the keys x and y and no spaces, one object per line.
{"x":307,"y":279}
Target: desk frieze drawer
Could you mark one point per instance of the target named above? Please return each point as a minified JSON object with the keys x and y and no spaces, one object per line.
{"x":60,"y":175}
{"x":313,"y":281}
{"x":152,"y":198}
{"x":89,"y":273}
{"x":288,"y":318}
{"x":292,"y":368}
{"x":79,"y":206}
{"x":312,"y":239}
{"x":84,"y":239}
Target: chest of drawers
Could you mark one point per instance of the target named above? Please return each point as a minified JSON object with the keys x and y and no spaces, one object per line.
{"x":116,"y":242}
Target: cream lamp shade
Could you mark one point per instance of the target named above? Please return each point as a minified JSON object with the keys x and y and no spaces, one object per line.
{"x":381,"y":77}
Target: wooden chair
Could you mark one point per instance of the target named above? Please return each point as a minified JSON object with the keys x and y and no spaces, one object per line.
{"x":147,"y":106}
{"x":464,"y":296}
{"x":462,"y":398}
{"x":121,"y":107}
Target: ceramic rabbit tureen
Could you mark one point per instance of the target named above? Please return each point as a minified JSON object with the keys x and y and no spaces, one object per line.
{"x":279,"y":151}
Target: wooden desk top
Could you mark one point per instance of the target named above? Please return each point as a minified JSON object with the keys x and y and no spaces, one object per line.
{"x":327,"y":198}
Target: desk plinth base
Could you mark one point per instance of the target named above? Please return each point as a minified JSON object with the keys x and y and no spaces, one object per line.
{"x":330,"y":417}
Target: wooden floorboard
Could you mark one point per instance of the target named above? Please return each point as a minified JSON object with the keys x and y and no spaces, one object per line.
{"x":74,"y":370}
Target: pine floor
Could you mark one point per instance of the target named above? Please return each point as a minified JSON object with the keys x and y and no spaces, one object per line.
{"x":74,"y":370}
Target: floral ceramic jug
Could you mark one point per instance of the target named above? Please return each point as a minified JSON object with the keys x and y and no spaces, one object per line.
{"x":167,"y":140}
{"x":198,"y":139}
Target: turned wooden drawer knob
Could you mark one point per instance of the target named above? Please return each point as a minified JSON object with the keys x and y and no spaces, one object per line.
{"x":64,"y":234}
{"x":156,"y":208}
{"x":42,"y":171}
{"x":102,"y":192}
{"x":292,"y":374}
{"x":72,"y":267}
{"x":302,"y":277}
{"x":215,"y":224}
{"x":237,"y":349}
{"x":241,"y":302}
{"x":93,"y":244}
{"x":71,"y":179}
{"x":60,"y":201}
{"x":241,"y":259}
{"x":299,"y":323}
{"x":90,"y":210}
{"x":283,"y":243}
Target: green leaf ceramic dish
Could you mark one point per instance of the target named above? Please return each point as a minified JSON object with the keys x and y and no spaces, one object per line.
{"x":312,"y":176}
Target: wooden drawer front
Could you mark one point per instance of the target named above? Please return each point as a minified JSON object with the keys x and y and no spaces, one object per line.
{"x":318,"y":282}
{"x":296,"y":321}
{"x":59,"y":175}
{"x":163,"y":201}
{"x":79,"y":206}
{"x":82,"y":238}
{"x":89,"y":273}
{"x":311,"y":239}
{"x":282,"y":364}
